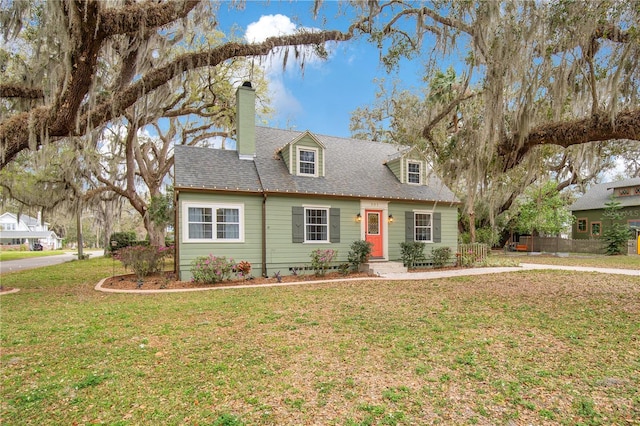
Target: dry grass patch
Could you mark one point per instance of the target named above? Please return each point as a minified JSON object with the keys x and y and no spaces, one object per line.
{"x":518,"y":348}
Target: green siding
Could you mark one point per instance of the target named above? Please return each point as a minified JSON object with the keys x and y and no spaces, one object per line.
{"x":395,"y":167}
{"x":249,"y":250}
{"x":399,"y":167}
{"x":413,"y":155}
{"x":397,"y":230}
{"x":282,"y":253}
{"x":286,"y":157}
{"x":628,"y":213}
{"x":246,"y":111}
{"x":308,"y":142}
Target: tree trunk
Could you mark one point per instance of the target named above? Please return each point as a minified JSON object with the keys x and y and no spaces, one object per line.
{"x":156,"y":233}
{"x":79,"y":233}
{"x":472,"y":226}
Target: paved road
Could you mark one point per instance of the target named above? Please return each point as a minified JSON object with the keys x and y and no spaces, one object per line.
{"x":39,"y":262}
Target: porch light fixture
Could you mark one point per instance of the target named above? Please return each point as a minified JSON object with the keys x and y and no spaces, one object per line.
{"x":358,"y":217}
{"x":390,"y":218}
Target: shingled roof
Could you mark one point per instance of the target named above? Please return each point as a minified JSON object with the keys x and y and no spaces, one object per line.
{"x":353,"y":168}
{"x":598,"y":195}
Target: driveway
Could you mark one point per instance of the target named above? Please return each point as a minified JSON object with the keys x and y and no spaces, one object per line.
{"x":39,"y":262}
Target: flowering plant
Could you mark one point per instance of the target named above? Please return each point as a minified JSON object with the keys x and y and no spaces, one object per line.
{"x":466,"y":258}
{"x":211,"y":269}
{"x":242,"y":269}
{"x":320,"y":260}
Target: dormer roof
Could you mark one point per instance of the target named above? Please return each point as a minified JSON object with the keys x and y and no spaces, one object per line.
{"x":352,"y":168}
{"x":598,"y":195}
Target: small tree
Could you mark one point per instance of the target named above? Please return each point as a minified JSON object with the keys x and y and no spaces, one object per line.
{"x":544,"y":211}
{"x":615,"y":234}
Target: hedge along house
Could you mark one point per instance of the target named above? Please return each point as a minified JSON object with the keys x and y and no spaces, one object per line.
{"x":589,"y":209}
{"x":284,"y":194}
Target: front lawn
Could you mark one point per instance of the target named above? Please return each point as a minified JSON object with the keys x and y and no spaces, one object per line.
{"x":16,"y":254}
{"x":528,"y":347}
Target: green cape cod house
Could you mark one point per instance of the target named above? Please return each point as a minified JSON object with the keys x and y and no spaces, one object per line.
{"x":589,"y":208}
{"x":284,"y":194}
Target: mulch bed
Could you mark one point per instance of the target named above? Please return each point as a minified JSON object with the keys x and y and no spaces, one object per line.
{"x":168,"y":281}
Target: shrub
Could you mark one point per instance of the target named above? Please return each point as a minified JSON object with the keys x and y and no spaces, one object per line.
{"x":412,"y":253}
{"x":120,"y":240}
{"x":211,"y":269}
{"x":320,"y":260}
{"x":143,"y":260}
{"x":359,"y":254}
{"x":440,"y":256}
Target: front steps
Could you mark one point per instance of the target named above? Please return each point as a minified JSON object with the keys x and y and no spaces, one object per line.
{"x":382,"y":268}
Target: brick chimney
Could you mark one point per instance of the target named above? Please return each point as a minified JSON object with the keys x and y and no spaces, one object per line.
{"x":246,"y":121}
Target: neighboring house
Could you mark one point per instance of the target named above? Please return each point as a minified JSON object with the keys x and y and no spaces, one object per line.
{"x":27,"y":231}
{"x":589,"y":208}
{"x":284,"y":194}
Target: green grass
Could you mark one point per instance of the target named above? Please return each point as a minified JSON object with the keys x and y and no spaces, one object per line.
{"x":528,"y":347}
{"x":15,"y":254}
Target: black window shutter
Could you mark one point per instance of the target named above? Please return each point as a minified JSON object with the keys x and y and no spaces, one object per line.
{"x":297,"y":221}
{"x":437,"y":228}
{"x":409,"y":235}
{"x":334,"y":225}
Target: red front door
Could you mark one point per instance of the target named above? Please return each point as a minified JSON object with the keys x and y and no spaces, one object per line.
{"x":373,"y":231}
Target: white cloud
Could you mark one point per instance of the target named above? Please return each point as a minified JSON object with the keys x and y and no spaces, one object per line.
{"x":269,"y":26}
{"x":283,"y":101}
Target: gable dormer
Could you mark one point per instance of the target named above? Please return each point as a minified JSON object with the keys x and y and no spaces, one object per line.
{"x":304,"y":156}
{"x":408,"y":167}
{"x":627,"y":191}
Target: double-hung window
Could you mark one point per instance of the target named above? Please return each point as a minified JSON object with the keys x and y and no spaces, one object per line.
{"x":214,"y":222}
{"x":422,"y":227}
{"x":307,"y":161}
{"x":582,"y":225}
{"x":414,"y":172}
{"x":316,"y":224}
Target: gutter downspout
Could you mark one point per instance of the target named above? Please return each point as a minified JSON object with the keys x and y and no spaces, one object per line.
{"x":264,"y":235}
{"x":176,"y":235}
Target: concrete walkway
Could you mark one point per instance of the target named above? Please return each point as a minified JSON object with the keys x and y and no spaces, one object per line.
{"x":632,"y":272}
{"x":496,"y":270}
{"x":428,"y":275}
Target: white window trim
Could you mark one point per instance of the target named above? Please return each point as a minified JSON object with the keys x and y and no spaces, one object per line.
{"x":419,"y":163}
{"x":304,"y":218}
{"x":213,"y":207}
{"x":316,"y":163}
{"x":430,"y":213}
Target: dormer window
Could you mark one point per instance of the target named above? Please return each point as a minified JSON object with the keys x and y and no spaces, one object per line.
{"x":307,"y":161}
{"x":414,"y":172}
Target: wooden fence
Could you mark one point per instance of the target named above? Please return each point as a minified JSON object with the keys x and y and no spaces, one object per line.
{"x":470,"y":254}
{"x":565,"y":245}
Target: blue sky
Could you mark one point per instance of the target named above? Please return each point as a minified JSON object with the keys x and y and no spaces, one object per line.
{"x":321,"y":98}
